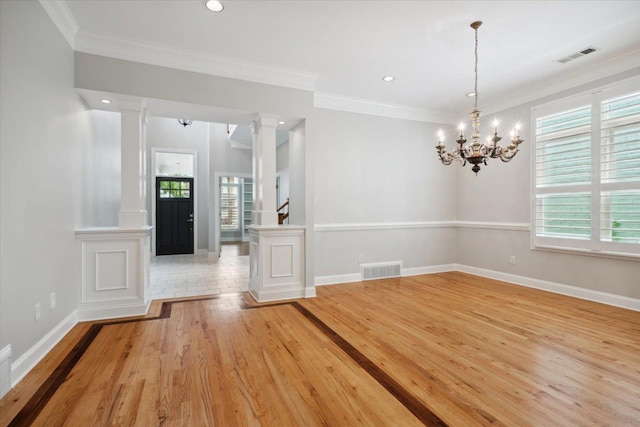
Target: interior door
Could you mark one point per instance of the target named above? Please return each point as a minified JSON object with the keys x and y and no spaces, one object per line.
{"x":174,"y":215}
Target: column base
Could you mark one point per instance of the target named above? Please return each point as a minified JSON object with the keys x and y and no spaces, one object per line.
{"x":277,"y":263}
{"x":114,"y":272}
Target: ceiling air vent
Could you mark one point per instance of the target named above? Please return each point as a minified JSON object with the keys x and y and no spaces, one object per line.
{"x":577,"y":55}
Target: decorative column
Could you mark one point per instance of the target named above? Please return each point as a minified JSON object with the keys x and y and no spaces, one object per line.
{"x":114,"y":273}
{"x":264,"y":170}
{"x":276,"y":252}
{"x":133,"y":213}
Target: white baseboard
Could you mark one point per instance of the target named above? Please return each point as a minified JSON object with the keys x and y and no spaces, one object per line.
{"x":337,"y":279}
{"x":5,"y":370}
{"x":202,"y":252}
{"x":416,"y":271}
{"x":356,"y":277}
{"x":277,"y":295}
{"x":558,"y":288}
{"x":112,"y":312}
{"x":30,"y":359}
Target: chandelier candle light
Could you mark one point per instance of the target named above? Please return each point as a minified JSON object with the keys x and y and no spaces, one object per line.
{"x":476,"y":152}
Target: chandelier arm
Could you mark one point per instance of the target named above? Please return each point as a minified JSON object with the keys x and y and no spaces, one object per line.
{"x":496,"y":151}
{"x":507,"y":155}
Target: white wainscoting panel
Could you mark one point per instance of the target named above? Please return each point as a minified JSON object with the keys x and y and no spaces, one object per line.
{"x":277,"y":260}
{"x":112,"y":269}
{"x":282,"y":260}
{"x":114,"y":272}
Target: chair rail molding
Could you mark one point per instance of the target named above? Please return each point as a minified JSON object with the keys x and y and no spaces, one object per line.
{"x":366,"y":226}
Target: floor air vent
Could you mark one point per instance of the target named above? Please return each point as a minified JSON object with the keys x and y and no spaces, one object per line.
{"x":380,"y":270}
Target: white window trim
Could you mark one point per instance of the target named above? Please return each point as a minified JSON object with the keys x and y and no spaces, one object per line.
{"x":592,"y":247}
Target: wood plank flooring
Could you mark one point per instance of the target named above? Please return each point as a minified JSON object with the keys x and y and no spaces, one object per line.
{"x":443,"y":349}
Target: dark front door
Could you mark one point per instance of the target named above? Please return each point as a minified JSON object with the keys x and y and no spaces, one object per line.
{"x":174,"y":216}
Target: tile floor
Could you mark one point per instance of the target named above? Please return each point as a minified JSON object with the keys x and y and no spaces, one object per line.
{"x":175,"y":276}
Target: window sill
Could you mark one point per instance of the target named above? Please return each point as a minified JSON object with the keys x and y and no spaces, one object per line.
{"x":587,"y":252}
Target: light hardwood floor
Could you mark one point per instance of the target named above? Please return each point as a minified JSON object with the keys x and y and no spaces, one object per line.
{"x":443,"y":349}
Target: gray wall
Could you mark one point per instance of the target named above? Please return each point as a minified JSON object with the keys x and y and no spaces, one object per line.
{"x":45,"y":145}
{"x":375,"y":170}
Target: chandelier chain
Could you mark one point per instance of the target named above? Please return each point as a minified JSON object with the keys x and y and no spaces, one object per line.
{"x":475,"y":88}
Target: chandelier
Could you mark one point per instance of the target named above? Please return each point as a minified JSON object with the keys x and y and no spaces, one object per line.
{"x":477,"y":153}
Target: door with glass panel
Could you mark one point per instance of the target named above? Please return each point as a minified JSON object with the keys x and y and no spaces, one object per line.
{"x":174,"y":216}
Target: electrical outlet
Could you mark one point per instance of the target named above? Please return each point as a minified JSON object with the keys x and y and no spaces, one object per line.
{"x":38,"y":312}
{"x":53,"y":300}
{"x":513,"y":259}
{"x":360,"y":259}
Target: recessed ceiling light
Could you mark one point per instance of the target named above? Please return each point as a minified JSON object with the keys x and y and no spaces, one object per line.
{"x":105,"y":101}
{"x":281,"y":122}
{"x":388,"y":78}
{"x":214,"y":5}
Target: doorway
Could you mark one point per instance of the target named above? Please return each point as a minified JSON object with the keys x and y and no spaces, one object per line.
{"x":174,"y":215}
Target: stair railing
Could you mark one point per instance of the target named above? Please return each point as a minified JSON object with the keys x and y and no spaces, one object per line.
{"x":282,"y":215}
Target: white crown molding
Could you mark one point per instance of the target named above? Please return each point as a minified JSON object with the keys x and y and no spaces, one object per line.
{"x":167,"y":56}
{"x":63,"y":19}
{"x":545,"y":88}
{"x":376,"y":108}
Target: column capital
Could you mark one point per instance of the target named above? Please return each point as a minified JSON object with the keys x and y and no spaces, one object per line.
{"x":130,"y":103}
{"x":266,"y":120}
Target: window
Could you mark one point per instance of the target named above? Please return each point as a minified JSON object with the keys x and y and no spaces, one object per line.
{"x":229,"y":202}
{"x":175,"y":189}
{"x":587,"y":171}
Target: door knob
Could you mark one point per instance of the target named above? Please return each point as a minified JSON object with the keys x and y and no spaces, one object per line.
{"x":190,"y":220}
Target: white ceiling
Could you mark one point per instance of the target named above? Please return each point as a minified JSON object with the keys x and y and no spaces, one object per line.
{"x":342,"y":49}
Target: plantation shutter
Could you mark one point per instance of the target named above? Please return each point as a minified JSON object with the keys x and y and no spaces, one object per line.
{"x":563,"y":174}
{"x":586,"y":183}
{"x":620,"y":169}
{"x":229,"y":206}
